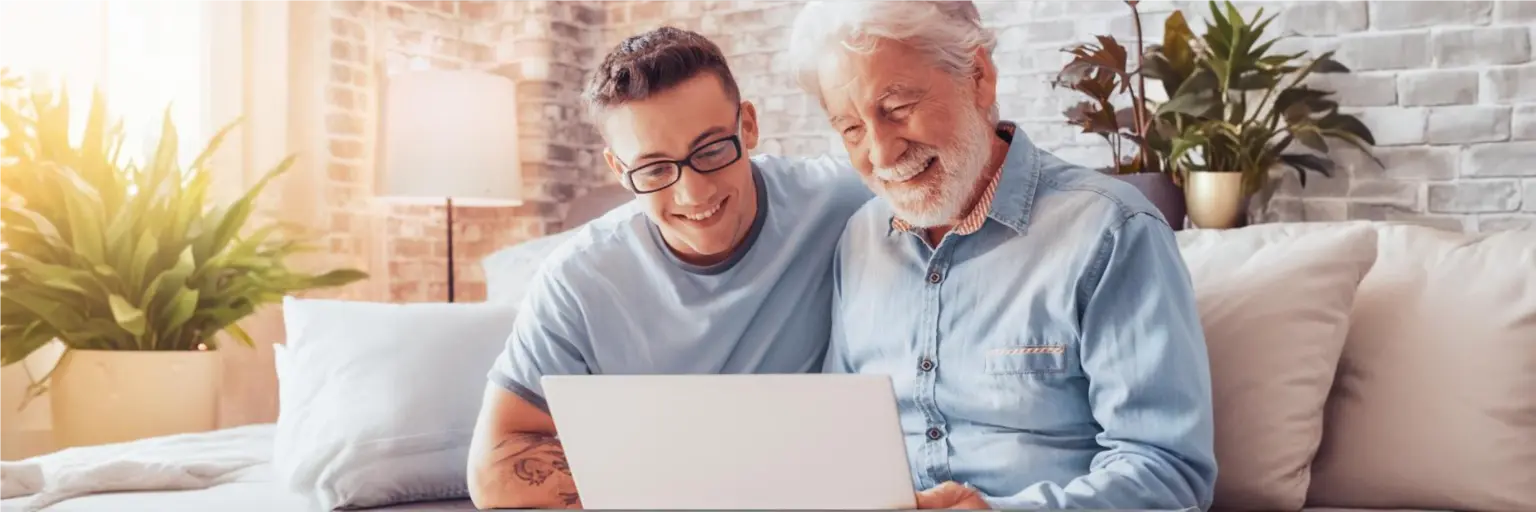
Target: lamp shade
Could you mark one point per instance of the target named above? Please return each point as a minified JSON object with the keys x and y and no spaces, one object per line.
{"x":450,"y":134}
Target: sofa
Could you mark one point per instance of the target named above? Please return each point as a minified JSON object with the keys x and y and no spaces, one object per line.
{"x":1355,"y":365}
{"x":1369,"y":365}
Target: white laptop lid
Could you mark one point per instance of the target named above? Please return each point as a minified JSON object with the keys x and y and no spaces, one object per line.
{"x":808,"y":441}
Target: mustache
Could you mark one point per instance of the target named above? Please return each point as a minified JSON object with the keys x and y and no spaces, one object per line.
{"x":913,"y":162}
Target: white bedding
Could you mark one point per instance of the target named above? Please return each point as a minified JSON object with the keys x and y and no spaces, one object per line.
{"x":249,"y":489}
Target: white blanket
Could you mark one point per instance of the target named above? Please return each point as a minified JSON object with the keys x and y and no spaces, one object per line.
{"x":179,"y":462}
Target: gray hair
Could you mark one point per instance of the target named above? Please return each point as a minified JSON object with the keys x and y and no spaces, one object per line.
{"x":950,"y":32}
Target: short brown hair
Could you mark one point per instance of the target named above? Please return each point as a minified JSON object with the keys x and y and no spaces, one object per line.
{"x":652,"y":62}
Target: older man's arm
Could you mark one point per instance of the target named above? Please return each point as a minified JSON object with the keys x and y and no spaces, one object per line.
{"x":1143,"y":351}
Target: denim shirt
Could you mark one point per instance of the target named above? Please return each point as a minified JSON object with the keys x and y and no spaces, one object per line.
{"x":1051,"y":359}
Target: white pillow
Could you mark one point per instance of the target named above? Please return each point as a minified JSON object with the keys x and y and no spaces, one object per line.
{"x":509,"y":271}
{"x":379,"y":400}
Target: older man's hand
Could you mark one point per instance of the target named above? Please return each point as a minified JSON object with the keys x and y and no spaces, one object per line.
{"x":951,"y":495}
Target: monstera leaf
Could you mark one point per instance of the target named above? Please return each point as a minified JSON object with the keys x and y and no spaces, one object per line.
{"x":1102,"y":70}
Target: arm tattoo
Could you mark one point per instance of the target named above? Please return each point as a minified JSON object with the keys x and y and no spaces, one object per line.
{"x":539,"y":458}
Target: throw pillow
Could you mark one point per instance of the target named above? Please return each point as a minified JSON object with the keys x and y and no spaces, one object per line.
{"x":1274,"y":302}
{"x":508,"y":272}
{"x":381,"y":399}
{"x":1435,"y":404}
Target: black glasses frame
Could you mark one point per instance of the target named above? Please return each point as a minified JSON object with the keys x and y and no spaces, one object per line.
{"x":687,"y":161}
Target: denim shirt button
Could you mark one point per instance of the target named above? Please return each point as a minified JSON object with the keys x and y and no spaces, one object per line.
{"x":926,"y":365}
{"x":934,"y":433}
{"x":934,"y":277}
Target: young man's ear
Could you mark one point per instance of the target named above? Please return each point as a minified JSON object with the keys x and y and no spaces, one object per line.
{"x":748,"y":125}
{"x":615,"y":166}
{"x":985,"y":80}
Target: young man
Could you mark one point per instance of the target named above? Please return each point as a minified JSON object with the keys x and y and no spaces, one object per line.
{"x":1036,"y":316}
{"x":721,"y":266}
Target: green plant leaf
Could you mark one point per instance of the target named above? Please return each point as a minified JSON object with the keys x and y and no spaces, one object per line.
{"x":1254,"y":81}
{"x":230,"y":224}
{"x":128,"y":317}
{"x":1314,"y":163}
{"x":1311,"y":139}
{"x":183,"y":306}
{"x":1355,"y":141}
{"x":35,"y":303}
{"x":165,"y":285}
{"x":337,"y":278}
{"x":99,"y":333}
{"x":1326,"y":64}
{"x":1176,"y":46}
{"x":1297,"y":113}
{"x":143,"y":256}
{"x":1195,"y":104}
{"x":1350,"y":124}
{"x":41,"y":225}
{"x":1155,"y":66}
{"x":239,"y":334}
{"x":1295,"y":95}
{"x":213,"y":145}
{"x":17,"y":341}
{"x":1218,"y":27}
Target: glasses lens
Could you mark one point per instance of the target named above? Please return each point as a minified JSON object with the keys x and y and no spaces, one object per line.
{"x":653,"y":177}
{"x":714,"y":156}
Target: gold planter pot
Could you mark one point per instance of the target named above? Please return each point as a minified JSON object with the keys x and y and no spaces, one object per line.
{"x":110,"y":396}
{"x":1214,"y":199}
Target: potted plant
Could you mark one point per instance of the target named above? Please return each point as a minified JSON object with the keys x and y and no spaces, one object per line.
{"x":131,"y":269}
{"x":1234,"y":112}
{"x":1101,"y":71}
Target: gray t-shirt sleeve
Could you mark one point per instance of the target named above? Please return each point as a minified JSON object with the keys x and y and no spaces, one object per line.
{"x":548,"y":338}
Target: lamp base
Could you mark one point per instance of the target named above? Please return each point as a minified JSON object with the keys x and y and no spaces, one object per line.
{"x":449,"y":209}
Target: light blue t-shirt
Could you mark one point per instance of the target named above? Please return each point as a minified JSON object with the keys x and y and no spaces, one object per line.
{"x":613,"y":299}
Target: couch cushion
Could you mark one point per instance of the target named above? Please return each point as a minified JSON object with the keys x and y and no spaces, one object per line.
{"x":1275,"y":302}
{"x":510,"y":271}
{"x":1435,"y":400}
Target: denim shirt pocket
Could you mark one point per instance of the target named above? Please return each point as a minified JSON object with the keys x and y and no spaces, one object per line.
{"x":1034,"y":357}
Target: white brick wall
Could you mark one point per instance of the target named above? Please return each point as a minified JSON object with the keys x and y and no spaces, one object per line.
{"x":1449,"y":88}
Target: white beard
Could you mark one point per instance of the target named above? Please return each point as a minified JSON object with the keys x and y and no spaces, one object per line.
{"x":960,"y":168}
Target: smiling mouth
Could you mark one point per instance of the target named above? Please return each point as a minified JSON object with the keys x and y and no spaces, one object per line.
{"x":704,"y":216}
{"x":928,"y":166}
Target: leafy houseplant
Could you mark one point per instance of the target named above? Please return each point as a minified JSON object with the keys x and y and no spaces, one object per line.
{"x":1101,"y":71}
{"x":127,"y":259}
{"x":1239,"y":109}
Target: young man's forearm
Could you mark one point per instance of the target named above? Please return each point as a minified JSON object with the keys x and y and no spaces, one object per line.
{"x":525,"y":470}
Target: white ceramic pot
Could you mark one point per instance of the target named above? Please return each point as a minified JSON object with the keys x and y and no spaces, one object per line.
{"x":108,"y":396}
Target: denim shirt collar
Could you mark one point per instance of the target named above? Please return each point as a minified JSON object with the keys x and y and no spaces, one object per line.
{"x":1017,"y":185}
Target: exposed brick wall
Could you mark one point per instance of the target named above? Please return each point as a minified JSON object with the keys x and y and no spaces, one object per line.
{"x":544,"y":47}
{"x":1449,"y":88}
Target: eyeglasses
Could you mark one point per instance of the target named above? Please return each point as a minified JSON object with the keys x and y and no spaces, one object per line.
{"x":711,"y":157}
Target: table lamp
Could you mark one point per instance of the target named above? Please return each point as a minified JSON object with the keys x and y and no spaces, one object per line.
{"x":449,"y":138}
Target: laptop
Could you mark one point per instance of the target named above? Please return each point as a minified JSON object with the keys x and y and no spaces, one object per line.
{"x":763,"y":442}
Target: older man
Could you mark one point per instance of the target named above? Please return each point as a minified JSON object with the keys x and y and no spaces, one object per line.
{"x":1036,"y":315}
